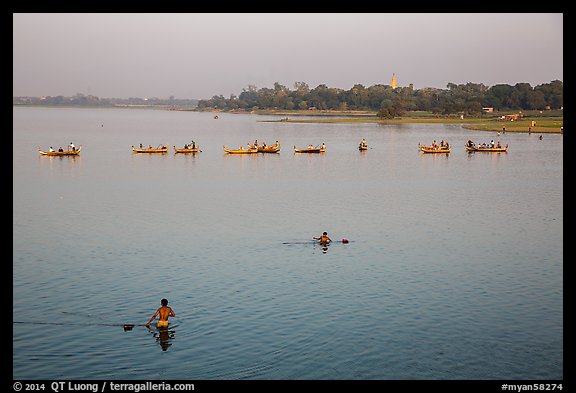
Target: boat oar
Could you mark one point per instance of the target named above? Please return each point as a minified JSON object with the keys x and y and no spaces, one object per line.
{"x":126,"y":326}
{"x":344,"y":241}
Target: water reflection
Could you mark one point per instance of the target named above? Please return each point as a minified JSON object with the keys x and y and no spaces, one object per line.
{"x":491,"y":156}
{"x":55,"y":162}
{"x":163,"y":336}
{"x":435,"y":156}
{"x":322,"y":245}
{"x":315,"y":245}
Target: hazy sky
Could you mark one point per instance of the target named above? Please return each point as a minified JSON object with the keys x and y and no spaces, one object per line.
{"x":205,"y":54}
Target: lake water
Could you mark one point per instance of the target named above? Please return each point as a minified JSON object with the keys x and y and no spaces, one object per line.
{"x":454,"y":269}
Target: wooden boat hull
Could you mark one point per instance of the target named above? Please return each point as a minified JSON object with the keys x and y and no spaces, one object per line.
{"x":61,"y":153}
{"x":488,"y":149}
{"x":307,"y":150}
{"x":195,"y":150}
{"x":427,"y":149}
{"x":445,"y":151}
{"x":269,"y":149}
{"x":148,"y":150}
{"x":240,"y":151}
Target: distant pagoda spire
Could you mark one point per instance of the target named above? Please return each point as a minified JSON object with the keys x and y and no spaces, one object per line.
{"x":394,"y":84}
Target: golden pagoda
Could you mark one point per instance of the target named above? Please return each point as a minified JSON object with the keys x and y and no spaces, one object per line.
{"x":394,"y":84}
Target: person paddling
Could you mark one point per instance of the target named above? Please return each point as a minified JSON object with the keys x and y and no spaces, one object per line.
{"x":164,"y":312}
{"x":324,"y":239}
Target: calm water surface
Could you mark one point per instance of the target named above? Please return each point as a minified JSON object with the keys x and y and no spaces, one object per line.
{"x":453,"y":270}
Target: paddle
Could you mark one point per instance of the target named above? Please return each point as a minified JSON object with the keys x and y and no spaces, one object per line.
{"x":343,"y":241}
{"x":126,"y":326}
{"x":330,"y":241}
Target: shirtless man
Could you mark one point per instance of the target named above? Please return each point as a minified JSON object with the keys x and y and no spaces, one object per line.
{"x":164,"y":313}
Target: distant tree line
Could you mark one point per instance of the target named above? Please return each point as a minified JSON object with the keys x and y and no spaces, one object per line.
{"x":91,"y":100}
{"x":467,"y":98}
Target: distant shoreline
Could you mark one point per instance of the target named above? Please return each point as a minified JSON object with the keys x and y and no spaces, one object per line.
{"x":546,"y":126}
{"x":552,"y":124}
{"x":543,"y":124}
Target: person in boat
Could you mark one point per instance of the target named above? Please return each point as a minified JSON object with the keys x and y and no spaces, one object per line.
{"x":499,"y":145}
{"x":310,"y":147}
{"x":325,"y":239}
{"x":72,"y":147}
{"x":470,"y":143}
{"x":141,"y":146}
{"x":363,"y":143}
{"x":51,"y":149}
{"x":193,"y":145}
{"x":162,"y":313}
{"x":446,"y":145}
{"x":323,"y":147}
{"x":61,"y":150}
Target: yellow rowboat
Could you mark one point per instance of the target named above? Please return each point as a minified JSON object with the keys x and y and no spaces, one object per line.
{"x":61,"y":153}
{"x":428,"y":149}
{"x":163,"y":149}
{"x":187,"y":150}
{"x":269,"y":149}
{"x":241,"y":150}
{"x":310,"y":150}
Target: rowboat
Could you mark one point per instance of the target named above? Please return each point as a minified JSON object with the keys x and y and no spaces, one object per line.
{"x":269,"y":149}
{"x":488,"y":149}
{"x":187,"y":150}
{"x":428,"y":149}
{"x":61,"y":153}
{"x":241,"y":150}
{"x":163,"y":149}
{"x":310,"y":150}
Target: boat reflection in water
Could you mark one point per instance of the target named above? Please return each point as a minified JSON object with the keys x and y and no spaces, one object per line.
{"x":323,"y":246}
